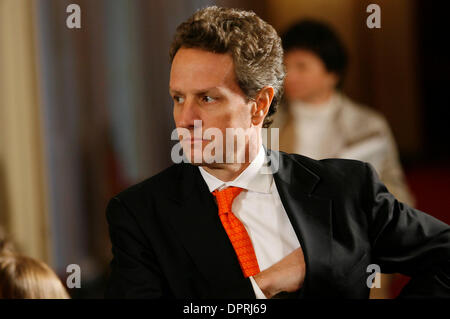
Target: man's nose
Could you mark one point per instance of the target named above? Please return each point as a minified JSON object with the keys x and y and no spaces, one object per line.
{"x":188,"y":114}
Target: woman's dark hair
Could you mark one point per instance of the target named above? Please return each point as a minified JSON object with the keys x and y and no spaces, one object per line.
{"x":319,"y":38}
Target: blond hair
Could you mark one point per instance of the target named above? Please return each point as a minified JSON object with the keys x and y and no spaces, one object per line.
{"x":6,"y":246}
{"x":22,"y":277}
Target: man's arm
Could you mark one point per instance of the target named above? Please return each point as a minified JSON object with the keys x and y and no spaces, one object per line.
{"x":407,"y":241}
{"x":134,"y":271}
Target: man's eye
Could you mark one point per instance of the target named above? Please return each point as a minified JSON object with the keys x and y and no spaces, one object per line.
{"x":207,"y":99}
{"x":178,"y":99}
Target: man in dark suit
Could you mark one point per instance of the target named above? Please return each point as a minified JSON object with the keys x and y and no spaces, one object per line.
{"x":258,"y":223}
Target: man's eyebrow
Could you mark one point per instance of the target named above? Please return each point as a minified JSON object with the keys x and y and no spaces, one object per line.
{"x":174,"y":91}
{"x":197,"y":92}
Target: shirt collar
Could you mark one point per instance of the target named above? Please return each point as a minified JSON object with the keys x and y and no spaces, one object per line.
{"x":252,"y":178}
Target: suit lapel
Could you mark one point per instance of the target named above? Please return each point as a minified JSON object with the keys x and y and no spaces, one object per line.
{"x":196,"y":221}
{"x":310,"y":217}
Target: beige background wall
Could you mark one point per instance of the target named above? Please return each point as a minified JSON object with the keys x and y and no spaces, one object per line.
{"x":22,"y":184}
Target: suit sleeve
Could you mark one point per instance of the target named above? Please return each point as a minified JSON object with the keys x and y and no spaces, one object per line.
{"x":134,"y":270}
{"x":408,"y":241}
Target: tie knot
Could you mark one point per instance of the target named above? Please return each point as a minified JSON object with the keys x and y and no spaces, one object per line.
{"x":225,"y":198}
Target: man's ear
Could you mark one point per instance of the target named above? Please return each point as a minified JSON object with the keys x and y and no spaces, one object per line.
{"x":262,"y":104}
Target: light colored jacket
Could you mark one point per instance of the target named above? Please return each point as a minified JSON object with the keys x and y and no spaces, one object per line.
{"x":356,"y":132}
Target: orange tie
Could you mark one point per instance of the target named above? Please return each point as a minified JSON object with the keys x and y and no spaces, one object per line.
{"x":236,"y":231}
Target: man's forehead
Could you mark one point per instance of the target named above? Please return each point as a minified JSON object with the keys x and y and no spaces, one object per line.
{"x":196,"y":69}
{"x":194,"y":54}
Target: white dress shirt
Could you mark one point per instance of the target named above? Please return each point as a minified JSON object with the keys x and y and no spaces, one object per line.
{"x":261,"y":211}
{"x":314,"y":127}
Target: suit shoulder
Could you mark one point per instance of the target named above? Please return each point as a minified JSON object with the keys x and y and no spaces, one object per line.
{"x":335,"y":172}
{"x":344,"y":166}
{"x":343,"y":180}
{"x":332,"y":165}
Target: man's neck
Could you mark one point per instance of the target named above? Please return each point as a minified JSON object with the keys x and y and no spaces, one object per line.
{"x":226,"y":172}
{"x":229,"y":172}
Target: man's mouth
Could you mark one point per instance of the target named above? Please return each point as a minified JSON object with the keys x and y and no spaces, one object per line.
{"x":193,"y":140}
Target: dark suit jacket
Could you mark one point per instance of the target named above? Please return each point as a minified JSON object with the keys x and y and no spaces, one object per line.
{"x":168,"y":241}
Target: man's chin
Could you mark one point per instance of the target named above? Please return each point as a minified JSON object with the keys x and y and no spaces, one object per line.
{"x":196,"y":164}
{"x":205,"y":162}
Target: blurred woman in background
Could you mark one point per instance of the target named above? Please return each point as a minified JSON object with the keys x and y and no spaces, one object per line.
{"x":319,"y":121}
